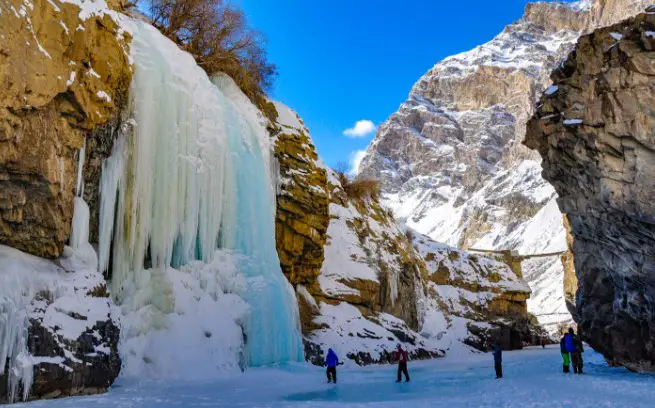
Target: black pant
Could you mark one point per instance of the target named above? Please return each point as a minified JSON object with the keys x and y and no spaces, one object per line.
{"x":332,"y":374}
{"x":402,"y":369}
{"x":576,"y":361}
{"x":499,"y":369}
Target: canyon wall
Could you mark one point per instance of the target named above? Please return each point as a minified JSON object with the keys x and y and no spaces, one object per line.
{"x":594,"y":130}
{"x":451,"y":161}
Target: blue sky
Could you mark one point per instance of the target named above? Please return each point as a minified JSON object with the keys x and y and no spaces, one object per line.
{"x":343,"y":61}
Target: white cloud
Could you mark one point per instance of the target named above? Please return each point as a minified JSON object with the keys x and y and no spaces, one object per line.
{"x":362,"y":128}
{"x":356,"y":158}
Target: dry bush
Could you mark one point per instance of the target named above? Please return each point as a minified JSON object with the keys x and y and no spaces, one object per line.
{"x":219,"y":38}
{"x":355,"y":188}
{"x":359,"y":189}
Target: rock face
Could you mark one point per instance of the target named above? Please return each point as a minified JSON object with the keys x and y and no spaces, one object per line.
{"x":450,"y":160}
{"x":63,"y":72}
{"x":302,"y":216}
{"x":374,"y":287}
{"x":594,"y":132}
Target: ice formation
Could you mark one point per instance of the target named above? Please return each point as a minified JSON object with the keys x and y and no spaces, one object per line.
{"x":190,"y":176}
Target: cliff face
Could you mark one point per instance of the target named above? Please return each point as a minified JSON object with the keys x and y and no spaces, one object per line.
{"x":377,"y":285}
{"x":302,"y":216}
{"x":64,"y":72}
{"x":450,"y":160}
{"x":594,"y":131}
{"x":64,"y":75}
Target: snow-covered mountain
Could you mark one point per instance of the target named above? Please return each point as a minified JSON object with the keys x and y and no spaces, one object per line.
{"x":451,"y":161}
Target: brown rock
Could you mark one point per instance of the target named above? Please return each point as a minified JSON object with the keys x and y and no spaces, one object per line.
{"x":60,"y":78}
{"x":570,"y":279}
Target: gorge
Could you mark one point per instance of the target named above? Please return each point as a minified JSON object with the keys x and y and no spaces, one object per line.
{"x":147,"y":207}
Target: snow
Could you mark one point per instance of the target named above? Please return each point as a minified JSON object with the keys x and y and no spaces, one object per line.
{"x":288,"y":118}
{"x":572,"y":122}
{"x":71,"y":78}
{"x":617,"y":36}
{"x":103,"y":95}
{"x":551,"y":90}
{"x":532,"y":378}
{"x":206,"y":322}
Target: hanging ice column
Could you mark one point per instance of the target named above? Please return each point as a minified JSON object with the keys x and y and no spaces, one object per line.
{"x":193,"y":176}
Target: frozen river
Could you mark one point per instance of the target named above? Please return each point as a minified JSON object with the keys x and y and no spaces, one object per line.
{"x":533,"y":378}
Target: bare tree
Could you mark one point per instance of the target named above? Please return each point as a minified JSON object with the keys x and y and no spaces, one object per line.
{"x":219,"y":38}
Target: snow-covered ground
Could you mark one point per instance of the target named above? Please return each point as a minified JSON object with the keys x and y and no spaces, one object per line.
{"x":533,"y":378}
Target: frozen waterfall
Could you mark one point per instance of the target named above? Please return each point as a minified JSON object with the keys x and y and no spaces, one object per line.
{"x":190,"y":176}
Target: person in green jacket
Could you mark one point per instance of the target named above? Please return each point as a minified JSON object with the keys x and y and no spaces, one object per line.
{"x":566,"y":367}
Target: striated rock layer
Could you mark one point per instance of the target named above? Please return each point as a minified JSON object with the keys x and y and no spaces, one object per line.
{"x":594,"y":131}
{"x":63,"y":73}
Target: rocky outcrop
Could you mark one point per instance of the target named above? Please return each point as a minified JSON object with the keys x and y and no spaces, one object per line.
{"x":64,"y":72}
{"x":56,"y":324}
{"x":482,"y":296}
{"x":302,"y":216}
{"x":594,"y":131}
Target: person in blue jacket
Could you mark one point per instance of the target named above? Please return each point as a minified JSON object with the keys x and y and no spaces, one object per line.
{"x":565,"y":355}
{"x":332,"y":361}
{"x":498,"y":360}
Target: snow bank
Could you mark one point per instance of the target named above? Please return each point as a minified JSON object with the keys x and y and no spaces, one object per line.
{"x":202,"y":338}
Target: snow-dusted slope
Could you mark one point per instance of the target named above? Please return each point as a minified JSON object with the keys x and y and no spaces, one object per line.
{"x":451,"y":162}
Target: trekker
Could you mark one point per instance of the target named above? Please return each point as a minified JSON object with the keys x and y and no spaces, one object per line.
{"x":571,"y":343}
{"x":498,"y":360}
{"x":566,"y":367}
{"x":543,"y":342}
{"x":401,"y":356}
{"x":332,"y":361}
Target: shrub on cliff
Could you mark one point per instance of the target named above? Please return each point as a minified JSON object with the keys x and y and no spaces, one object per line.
{"x":218,"y":36}
{"x":357,"y":189}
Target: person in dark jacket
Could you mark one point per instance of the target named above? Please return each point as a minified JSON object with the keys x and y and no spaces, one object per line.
{"x":574,"y":347}
{"x":566,"y":367}
{"x":332,"y":361}
{"x":401,"y":357}
{"x":498,"y":360}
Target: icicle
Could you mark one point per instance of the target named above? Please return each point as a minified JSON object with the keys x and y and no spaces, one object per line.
{"x":112,"y":174}
{"x":79,"y":189}
{"x":13,"y":342}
